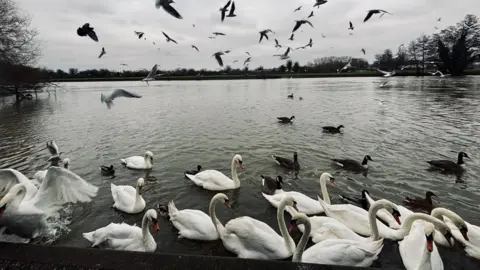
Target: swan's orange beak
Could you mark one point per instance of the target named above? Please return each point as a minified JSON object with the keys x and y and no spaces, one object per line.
{"x":396,"y":216}
{"x":291,"y":227}
{"x":241,"y":165}
{"x":332,"y":181}
{"x":227,"y":203}
{"x":155,"y":227}
{"x":430,"y":245}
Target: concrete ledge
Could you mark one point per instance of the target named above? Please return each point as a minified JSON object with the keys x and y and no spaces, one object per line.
{"x":38,"y":257}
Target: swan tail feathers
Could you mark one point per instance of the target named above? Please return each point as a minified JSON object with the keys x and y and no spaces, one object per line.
{"x":190,"y":176}
{"x":172,"y":209}
{"x":89,"y":236}
{"x":124,"y":161}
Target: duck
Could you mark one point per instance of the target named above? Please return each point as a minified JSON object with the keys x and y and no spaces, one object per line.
{"x":126,"y":237}
{"x":107,"y":170}
{"x":332,"y":129}
{"x":138,"y":162}
{"x":127,"y":198}
{"x":425,"y":204}
{"x":305,"y":204}
{"x":353,"y":165}
{"x":362,"y":201}
{"x":271,"y":186}
{"x":253,"y":239}
{"x":195,"y":224}
{"x":290,"y":96}
{"x":450,"y":166}
{"x":334,"y":251}
{"x":215,"y":180}
{"x":285,"y":119}
{"x":193,"y":172}
{"x":288,"y":163}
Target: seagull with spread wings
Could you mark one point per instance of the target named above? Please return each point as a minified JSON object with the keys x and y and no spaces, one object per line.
{"x":218,"y":57}
{"x":300,"y":23}
{"x":218,"y":34}
{"x":299,"y":8}
{"x":102,"y":52}
{"x":86,"y":30}
{"x":195,"y":47}
{"x":247,"y":61}
{"x":116,"y":94}
{"x":351,"y":26}
{"x":168,"y":38}
{"x":318,"y":3}
{"x":151,"y":75}
{"x":347,"y":66}
{"x":375,"y":11}
{"x":285,"y":55}
{"x":386,"y":73}
{"x":291,"y":37}
{"x":264,"y":34}
{"x":224,"y":9}
{"x":139,"y":34}
{"x":311,"y":15}
{"x":232,"y":10}
{"x":277,"y":45}
{"x":165,"y":4}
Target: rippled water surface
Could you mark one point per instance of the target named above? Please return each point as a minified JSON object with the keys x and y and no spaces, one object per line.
{"x":207,"y":122}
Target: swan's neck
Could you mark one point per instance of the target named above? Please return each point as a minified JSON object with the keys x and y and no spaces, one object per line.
{"x":372,"y":213}
{"x":287,"y":239}
{"x":323,"y":187}
{"x":147,"y":161}
{"x":235,"y":179}
{"x":138,"y":197}
{"x":146,"y":235}
{"x":297,"y":256}
{"x":407,"y":225}
{"x":211,"y":210}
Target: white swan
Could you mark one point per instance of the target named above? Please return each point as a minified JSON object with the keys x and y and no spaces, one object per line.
{"x":138,"y":162}
{"x":215,"y":180}
{"x":127,"y":198}
{"x":40,"y":175}
{"x":251,"y":238}
{"x":126,"y":237}
{"x":418,"y":249}
{"x":335,"y":251}
{"x":305,"y":204}
{"x":384,"y":215}
{"x":195,"y":224}
{"x":24,"y":208}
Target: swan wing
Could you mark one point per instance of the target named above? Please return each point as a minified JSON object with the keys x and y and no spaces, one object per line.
{"x":123,"y":197}
{"x":135,"y":162}
{"x":11,"y":177}
{"x":329,"y":228}
{"x":352,"y":216}
{"x":113,"y":231}
{"x":194,"y":224}
{"x":412,"y":248}
{"x":305,"y":204}
{"x":212,"y":179}
{"x":62,"y":186}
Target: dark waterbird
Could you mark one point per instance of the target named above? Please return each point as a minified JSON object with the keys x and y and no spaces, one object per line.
{"x":218,"y":57}
{"x":87,"y":30}
{"x":193,"y":172}
{"x":362,"y":201}
{"x":311,"y":15}
{"x":450,"y":166}
{"x":350,"y":164}
{"x":270,"y":185}
{"x":425,"y":204}
{"x":107,"y":170}
{"x":332,"y":129}
{"x":284,"y":119}
{"x":288,"y":163}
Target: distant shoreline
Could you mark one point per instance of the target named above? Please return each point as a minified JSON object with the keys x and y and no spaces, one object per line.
{"x":252,"y":76}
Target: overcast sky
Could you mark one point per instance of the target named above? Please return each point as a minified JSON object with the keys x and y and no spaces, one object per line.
{"x":115,"y":20}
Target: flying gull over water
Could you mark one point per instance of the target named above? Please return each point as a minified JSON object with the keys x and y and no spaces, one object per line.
{"x":291,"y":37}
{"x":232,"y":10}
{"x":318,"y":3}
{"x":299,"y":23}
{"x":264,"y":34}
{"x":299,"y":8}
{"x":116,"y":94}
{"x":87,"y":30}
{"x":285,"y":55}
{"x":363,"y":50}
{"x":218,"y":34}
{"x":375,"y":11}
{"x":139,"y":34}
{"x":247,"y":61}
{"x":151,"y":75}
{"x":351,"y":26}
{"x":195,"y":47}
{"x":123,"y":64}
{"x":168,"y":38}
{"x":102,"y":52}
{"x":386,"y":73}
{"x":310,"y":43}
{"x":227,"y":51}
{"x":165,"y":4}
{"x":224,"y":9}
{"x":218,"y":57}
{"x":311,"y":15}
{"x":347,"y":66}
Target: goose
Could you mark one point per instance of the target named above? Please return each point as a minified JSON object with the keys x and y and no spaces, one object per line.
{"x":418,"y":249}
{"x":271,"y":186}
{"x":421,"y":203}
{"x":138,"y":162}
{"x":285,"y":120}
{"x":194,"y":172}
{"x":288,"y":163}
{"x":305,"y":204}
{"x":24,"y":209}
{"x":254,"y":239}
{"x":127,"y":198}
{"x":358,"y":201}
{"x":332,"y":129}
{"x":126,"y":237}
{"x":350,"y":164}
{"x":215,"y":180}
{"x":195,"y":224}
{"x":334,"y":251}
{"x":323,"y":228}
{"x":448,"y":165}
{"x":107,"y":170}
{"x":40,"y":175}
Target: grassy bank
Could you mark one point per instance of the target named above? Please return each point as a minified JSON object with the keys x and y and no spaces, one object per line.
{"x":253,"y":76}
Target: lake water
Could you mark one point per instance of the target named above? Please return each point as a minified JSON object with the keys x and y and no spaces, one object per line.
{"x":207,"y":122}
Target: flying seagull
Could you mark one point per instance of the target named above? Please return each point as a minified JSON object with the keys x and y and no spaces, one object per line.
{"x":311,"y":15}
{"x":123,"y":65}
{"x":102,"y":52}
{"x":351,"y":26}
{"x":168,"y":38}
{"x":375,"y":11}
{"x":247,"y":53}
{"x":165,"y":4}
{"x":218,"y":34}
{"x":318,"y":3}
{"x":153,"y":43}
{"x":139,"y":34}
{"x":439,"y":19}
{"x":247,"y":61}
{"x":291,"y":37}
{"x":218,"y":56}
{"x":277,"y":45}
{"x":235,"y":61}
{"x":347,"y":66}
{"x":87,"y":30}
{"x":151,"y":75}
{"x":285,"y":55}
{"x":227,"y":51}
{"x":211,"y":37}
{"x":224,"y":9}
{"x":232,"y":10}
{"x":115,"y":94}
{"x":299,"y":8}
{"x":310,"y":43}
{"x":195,"y":47}
{"x":264,"y":34}
{"x":386,"y":73}
{"x":299,"y":23}
{"x":193,"y":25}
{"x":324,"y":36}
{"x":363,"y":50}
